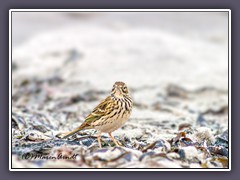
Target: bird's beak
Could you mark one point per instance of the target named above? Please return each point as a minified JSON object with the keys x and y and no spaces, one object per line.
{"x":118,"y":91}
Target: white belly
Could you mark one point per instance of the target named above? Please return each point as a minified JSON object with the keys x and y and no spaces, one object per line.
{"x":110,"y":125}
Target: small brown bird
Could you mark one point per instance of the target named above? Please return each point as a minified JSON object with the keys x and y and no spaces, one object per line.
{"x":109,"y":115}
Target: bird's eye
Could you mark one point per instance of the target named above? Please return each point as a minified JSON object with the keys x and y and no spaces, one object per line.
{"x":124,"y":88}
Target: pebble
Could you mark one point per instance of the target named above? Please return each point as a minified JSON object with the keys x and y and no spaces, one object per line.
{"x":188,"y":152}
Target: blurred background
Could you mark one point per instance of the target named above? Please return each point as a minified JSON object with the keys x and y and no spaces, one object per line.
{"x":189,"y":48}
{"x":174,"y":63}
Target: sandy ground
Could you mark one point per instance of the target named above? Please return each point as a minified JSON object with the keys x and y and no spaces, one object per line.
{"x":175,"y":65}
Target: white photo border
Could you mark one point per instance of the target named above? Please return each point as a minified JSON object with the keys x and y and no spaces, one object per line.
{"x":119,"y":10}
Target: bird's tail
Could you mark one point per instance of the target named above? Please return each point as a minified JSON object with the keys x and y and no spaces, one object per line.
{"x":66,"y":135}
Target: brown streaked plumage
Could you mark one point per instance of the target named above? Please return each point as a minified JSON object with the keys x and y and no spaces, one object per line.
{"x":109,"y":115}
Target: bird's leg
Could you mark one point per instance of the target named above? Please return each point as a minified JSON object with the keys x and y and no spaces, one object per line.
{"x":114,"y":140}
{"x":99,"y":139}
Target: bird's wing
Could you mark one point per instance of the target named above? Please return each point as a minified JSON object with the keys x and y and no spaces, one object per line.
{"x":107,"y":105}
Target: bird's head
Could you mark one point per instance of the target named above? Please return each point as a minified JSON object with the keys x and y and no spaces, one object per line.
{"x":119,"y":89}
